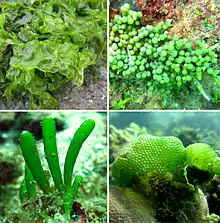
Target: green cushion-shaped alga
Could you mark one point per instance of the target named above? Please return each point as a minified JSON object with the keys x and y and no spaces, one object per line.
{"x":146,"y":154}
{"x":203,"y":157}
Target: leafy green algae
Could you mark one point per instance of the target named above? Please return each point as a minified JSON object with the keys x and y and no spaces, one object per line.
{"x":45,"y":44}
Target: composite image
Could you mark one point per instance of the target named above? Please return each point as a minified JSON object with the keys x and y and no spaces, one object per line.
{"x":109,"y":111}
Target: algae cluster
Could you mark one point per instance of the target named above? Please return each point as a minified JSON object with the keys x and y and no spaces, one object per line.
{"x":46,"y":44}
{"x":90,"y":203}
{"x":187,"y":193}
{"x":157,"y":55}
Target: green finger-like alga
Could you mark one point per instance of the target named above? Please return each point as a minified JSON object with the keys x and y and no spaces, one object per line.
{"x":31,"y":156}
{"x":50,"y":149}
{"x":34,"y":170}
{"x":69,"y":197}
{"x":80,"y":136}
{"x":29,"y":183}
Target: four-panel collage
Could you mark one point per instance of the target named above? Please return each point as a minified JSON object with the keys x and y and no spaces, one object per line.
{"x":109,"y":111}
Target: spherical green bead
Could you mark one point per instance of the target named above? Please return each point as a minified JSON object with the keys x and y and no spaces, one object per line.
{"x":137,"y":23}
{"x":173,"y":53}
{"x":133,"y":69}
{"x":177,"y":70}
{"x":125,"y":19}
{"x":136,"y":39}
{"x":120,"y":44}
{"x":214,"y":60}
{"x":114,"y":67}
{"x":159,"y":71}
{"x":120,"y":64}
{"x":130,"y":46}
{"x":184,"y":72}
{"x":210,"y":71}
{"x":139,"y":15}
{"x":145,"y":33}
{"x":159,"y":78}
{"x":190,"y":67}
{"x":130,"y":21}
{"x":148,"y":73}
{"x":163,"y":53}
{"x":114,"y":46}
{"x":163,"y":58}
{"x":148,"y":52}
{"x":154,"y":40}
{"x":199,"y":76}
{"x":143,"y":61}
{"x":141,"y":35}
{"x":188,"y":78}
{"x":132,"y":52}
{"x":115,"y":28}
{"x":207,"y":59}
{"x":178,"y":78}
{"x":138,"y":75}
{"x":166,"y":79}
{"x":194,"y":59}
{"x":182,"y":52}
{"x":212,"y":54}
{"x":188,"y":59}
{"x":163,"y":37}
{"x":188,"y":46}
{"x":143,"y":49}
{"x":151,"y":35}
{"x":116,"y":39}
{"x":141,"y":68}
{"x":138,"y":45}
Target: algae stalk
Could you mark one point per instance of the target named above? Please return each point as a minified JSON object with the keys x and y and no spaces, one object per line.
{"x":80,"y":136}
{"x":50,"y":149}
{"x":29,"y":183}
{"x":31,"y":156}
{"x":70,"y":195}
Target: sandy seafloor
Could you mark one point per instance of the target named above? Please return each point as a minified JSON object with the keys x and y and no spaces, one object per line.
{"x":91,"y":96}
{"x":91,"y":162}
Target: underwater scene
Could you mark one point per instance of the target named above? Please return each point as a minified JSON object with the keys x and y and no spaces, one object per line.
{"x":164,"y":167}
{"x":53,"y":167}
{"x":164,"y":54}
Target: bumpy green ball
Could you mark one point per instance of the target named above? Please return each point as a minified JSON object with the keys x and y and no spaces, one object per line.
{"x":161,"y":155}
{"x":203,"y":157}
{"x":146,"y":154}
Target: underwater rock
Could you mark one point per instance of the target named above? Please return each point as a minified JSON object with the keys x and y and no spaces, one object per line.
{"x":212,"y":189}
{"x":126,"y":205}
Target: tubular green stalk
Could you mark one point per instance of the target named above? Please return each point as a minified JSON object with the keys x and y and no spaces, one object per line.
{"x":50,"y":149}
{"x":80,"y":136}
{"x":23,"y":191}
{"x":30,"y":154}
{"x":70,"y":195}
{"x":201,"y":90}
{"x":29,"y":182}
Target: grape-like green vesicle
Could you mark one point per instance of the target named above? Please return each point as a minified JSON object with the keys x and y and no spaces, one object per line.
{"x":146,"y":154}
{"x":184,"y":63}
{"x":203,"y":157}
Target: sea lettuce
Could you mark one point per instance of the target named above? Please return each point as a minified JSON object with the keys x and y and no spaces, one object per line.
{"x":47,"y":43}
